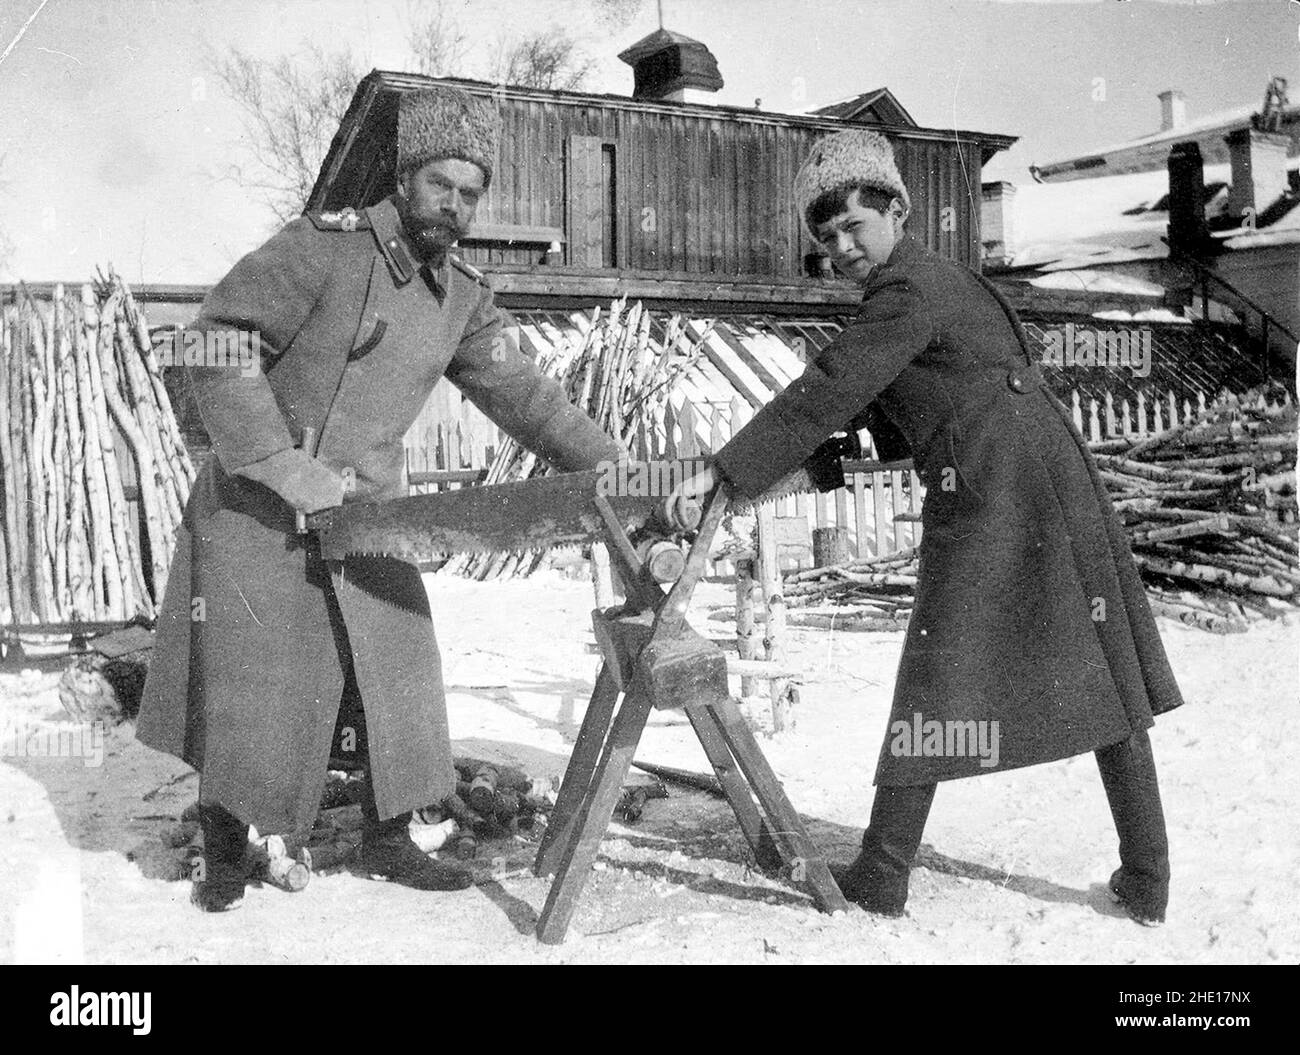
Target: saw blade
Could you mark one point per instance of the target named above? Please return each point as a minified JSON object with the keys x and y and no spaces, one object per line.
{"x":522,"y":515}
{"x":796,"y":482}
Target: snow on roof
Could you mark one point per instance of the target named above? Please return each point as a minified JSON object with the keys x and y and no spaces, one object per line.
{"x":1111,"y":219}
{"x":1187,"y":130}
{"x":1147,"y":315}
{"x":1097,"y":282}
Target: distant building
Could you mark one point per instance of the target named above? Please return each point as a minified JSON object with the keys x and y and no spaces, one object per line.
{"x":1149,"y":152}
{"x":662,"y":194}
{"x":1101,"y":223}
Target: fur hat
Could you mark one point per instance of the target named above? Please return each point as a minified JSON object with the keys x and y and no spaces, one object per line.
{"x":446,"y":122}
{"x":855,"y":155}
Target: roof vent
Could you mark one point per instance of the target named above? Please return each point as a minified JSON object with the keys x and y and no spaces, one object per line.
{"x":672,"y":67}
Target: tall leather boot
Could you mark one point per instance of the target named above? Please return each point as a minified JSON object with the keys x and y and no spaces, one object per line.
{"x":387,"y":852}
{"x":1141,"y":883}
{"x":877,"y":878}
{"x":225,"y":860}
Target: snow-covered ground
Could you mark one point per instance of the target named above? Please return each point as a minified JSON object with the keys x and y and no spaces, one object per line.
{"x":1011,"y":871}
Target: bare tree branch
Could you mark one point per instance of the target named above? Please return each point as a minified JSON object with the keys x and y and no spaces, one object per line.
{"x":617,"y":14}
{"x":548,"y":58}
{"x":436,"y":40}
{"x":292,"y":107}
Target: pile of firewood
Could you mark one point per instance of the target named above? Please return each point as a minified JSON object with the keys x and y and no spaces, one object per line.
{"x":1210,"y":508}
{"x":874,"y":593}
{"x":621,"y":376}
{"x":86,"y":421}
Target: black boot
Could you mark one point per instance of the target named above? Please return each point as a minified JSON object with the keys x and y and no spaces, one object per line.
{"x":387,"y":853}
{"x":225,"y":860}
{"x":1141,"y":883}
{"x":877,"y":879}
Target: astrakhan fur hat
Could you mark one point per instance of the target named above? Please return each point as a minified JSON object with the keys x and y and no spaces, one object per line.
{"x":446,"y":122}
{"x":855,"y":155}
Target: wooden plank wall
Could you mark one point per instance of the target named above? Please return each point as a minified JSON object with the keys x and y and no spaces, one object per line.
{"x":705,"y":195}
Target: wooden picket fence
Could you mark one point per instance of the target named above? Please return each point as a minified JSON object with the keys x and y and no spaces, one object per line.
{"x":880,"y":508}
{"x":1109,"y":419}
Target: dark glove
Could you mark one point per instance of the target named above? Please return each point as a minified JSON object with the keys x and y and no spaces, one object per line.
{"x":308,"y":485}
{"x":890,"y":443}
{"x":824,"y":466}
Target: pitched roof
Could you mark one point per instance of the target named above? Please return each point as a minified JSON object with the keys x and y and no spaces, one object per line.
{"x":878,"y":106}
{"x":657,"y":41}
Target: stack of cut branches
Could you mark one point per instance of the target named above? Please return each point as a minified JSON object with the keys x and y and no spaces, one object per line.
{"x":873,"y":593}
{"x":621,"y":377}
{"x":93,"y":471}
{"x":1209,"y":506}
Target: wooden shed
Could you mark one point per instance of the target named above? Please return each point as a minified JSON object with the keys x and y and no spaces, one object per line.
{"x":597,"y":195}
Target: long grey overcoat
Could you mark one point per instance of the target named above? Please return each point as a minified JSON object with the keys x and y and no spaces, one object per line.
{"x":1029,"y":610}
{"x":257,"y":633}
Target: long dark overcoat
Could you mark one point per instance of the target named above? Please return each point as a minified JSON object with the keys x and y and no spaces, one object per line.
{"x":257,"y":633}
{"x":1029,"y":610}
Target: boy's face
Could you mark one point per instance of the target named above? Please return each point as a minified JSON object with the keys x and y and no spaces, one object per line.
{"x":859,"y":238}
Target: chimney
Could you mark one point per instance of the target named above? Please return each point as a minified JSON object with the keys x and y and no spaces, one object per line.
{"x":671,"y":67}
{"x":1187,"y":230}
{"x":1173,"y":109}
{"x":997,"y":222}
{"x":1259,"y":175}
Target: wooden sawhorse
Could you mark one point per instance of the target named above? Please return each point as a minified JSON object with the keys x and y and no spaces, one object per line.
{"x":653,"y":659}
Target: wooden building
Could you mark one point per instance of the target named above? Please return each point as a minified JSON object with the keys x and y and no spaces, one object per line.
{"x":600,"y":195}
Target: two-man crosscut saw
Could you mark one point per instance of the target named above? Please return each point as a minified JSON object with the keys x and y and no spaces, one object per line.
{"x":523,"y":515}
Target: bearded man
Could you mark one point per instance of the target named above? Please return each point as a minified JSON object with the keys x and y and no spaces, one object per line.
{"x":357,"y":316}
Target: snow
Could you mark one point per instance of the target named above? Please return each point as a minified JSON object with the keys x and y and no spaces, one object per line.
{"x":1082,"y":221}
{"x":1011,"y":871}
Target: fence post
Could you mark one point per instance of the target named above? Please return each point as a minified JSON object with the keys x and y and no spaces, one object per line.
{"x":746,"y":636}
{"x":860,"y":515}
{"x":782,"y":692}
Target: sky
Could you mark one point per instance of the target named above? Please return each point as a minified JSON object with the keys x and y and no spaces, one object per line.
{"x":117,"y":141}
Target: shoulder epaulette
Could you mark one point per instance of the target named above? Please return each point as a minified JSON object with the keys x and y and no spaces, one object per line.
{"x":344,"y":220}
{"x":468,"y":269}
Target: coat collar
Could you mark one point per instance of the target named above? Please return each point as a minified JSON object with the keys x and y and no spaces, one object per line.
{"x":398,"y":254}
{"x":905,"y":250}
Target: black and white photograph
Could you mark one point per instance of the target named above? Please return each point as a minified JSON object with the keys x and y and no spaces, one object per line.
{"x":650,"y":482}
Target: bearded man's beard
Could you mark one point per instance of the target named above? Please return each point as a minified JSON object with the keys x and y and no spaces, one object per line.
{"x":431,"y":236}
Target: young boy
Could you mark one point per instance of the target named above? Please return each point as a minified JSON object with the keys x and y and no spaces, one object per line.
{"x":1030,"y":618}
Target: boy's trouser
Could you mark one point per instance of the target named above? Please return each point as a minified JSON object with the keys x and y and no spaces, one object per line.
{"x":1128,"y":773}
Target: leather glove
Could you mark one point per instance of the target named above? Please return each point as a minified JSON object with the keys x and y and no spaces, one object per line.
{"x":307,"y":484}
